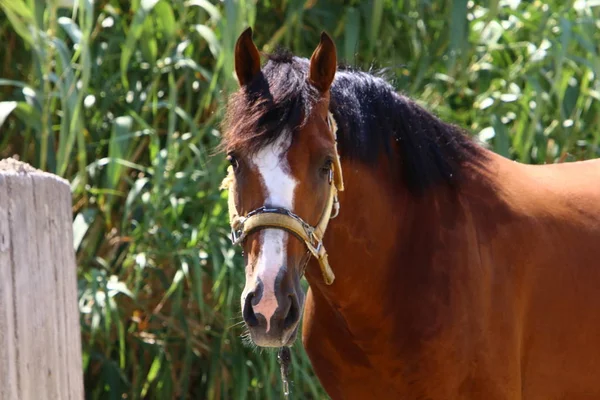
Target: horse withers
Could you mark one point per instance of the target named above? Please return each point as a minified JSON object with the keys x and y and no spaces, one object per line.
{"x":437,"y":269}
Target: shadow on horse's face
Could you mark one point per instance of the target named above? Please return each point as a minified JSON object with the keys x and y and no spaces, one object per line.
{"x":292,"y":173}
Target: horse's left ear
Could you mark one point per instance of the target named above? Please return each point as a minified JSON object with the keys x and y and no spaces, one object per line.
{"x":323,"y":64}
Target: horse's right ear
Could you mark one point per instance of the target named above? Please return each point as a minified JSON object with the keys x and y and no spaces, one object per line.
{"x":247,"y":58}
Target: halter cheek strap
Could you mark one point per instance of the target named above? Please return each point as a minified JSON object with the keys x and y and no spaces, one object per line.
{"x":282,"y":218}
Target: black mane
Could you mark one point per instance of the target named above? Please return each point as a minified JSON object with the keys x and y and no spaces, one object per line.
{"x":369,"y":113}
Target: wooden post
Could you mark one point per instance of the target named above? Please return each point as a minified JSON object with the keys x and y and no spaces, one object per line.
{"x":40,"y":342}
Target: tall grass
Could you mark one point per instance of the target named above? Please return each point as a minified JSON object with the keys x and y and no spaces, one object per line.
{"x":125,"y":98}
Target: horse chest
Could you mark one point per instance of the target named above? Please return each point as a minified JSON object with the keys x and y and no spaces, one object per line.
{"x":380,"y":362}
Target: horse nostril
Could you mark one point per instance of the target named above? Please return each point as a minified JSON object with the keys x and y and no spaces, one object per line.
{"x":248,"y":312}
{"x":293,"y":313}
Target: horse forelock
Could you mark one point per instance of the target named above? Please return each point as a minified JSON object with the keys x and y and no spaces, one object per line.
{"x":277,"y":102}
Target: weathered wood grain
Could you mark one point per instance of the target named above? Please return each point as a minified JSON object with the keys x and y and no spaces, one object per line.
{"x":40,"y":343}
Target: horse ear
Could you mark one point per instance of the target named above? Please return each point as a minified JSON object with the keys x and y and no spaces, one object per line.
{"x":323,"y":64}
{"x":247,"y":58}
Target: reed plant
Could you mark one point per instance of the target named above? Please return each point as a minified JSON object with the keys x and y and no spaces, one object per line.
{"x":125,"y":100}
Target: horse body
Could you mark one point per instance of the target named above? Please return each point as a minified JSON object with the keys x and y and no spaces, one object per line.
{"x":459,"y":274}
{"x":486,"y":293}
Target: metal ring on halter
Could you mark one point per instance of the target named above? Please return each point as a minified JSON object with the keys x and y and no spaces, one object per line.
{"x":336,"y":208}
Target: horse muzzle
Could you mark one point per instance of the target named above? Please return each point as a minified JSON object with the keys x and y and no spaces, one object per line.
{"x":273,"y":317}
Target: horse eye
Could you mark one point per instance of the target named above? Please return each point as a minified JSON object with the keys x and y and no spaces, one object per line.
{"x":233,"y":161}
{"x":326,"y":167}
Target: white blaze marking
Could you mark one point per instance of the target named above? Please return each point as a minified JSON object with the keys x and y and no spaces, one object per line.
{"x":279,"y":187}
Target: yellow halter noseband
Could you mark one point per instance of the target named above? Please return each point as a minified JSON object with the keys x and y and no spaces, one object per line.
{"x":282,"y":218}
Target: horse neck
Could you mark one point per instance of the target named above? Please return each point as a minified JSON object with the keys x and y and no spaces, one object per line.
{"x":386,"y":246}
{"x":379,"y":220}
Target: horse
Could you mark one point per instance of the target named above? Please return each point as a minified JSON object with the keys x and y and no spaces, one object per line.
{"x":436,"y":268}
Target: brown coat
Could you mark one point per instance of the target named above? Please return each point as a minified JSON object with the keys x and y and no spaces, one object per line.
{"x":490,"y":294}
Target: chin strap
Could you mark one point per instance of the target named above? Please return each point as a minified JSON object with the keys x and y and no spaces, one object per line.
{"x":282,"y":218}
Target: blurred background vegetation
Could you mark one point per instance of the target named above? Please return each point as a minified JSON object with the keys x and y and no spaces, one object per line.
{"x":124,"y":99}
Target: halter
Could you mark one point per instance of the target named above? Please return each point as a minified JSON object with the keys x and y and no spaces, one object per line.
{"x":283,"y":218}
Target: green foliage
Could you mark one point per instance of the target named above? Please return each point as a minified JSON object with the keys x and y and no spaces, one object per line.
{"x":125,"y":98}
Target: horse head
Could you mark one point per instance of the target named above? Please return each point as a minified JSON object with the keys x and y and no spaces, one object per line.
{"x":283,"y":181}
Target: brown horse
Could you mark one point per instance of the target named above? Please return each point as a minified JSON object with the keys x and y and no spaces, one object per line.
{"x":449,"y":272}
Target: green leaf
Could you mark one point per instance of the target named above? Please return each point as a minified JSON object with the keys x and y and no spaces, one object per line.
{"x":135,"y":31}
{"x":458,"y":28}
{"x":71,"y":28}
{"x":501,"y":139}
{"x":486,"y":134}
{"x":29,"y":115}
{"x":115,"y":286}
{"x":571,"y":95}
{"x":6,"y":107}
{"x":152,"y":374}
{"x":206,"y":6}
{"x":20,"y":18}
{"x":375,"y":21}
{"x":351,"y":33}
{"x":10,"y":82}
{"x":118,"y":148}
{"x":81,"y":224}
{"x":148,"y":5}
{"x":148,"y":42}
{"x":210,"y":37}
{"x":166,"y":25}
